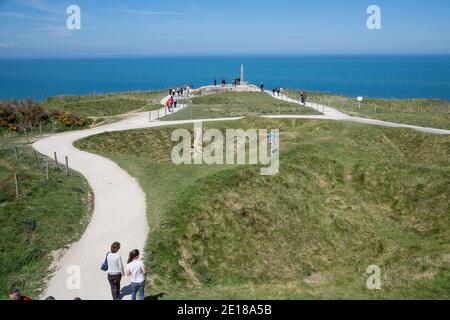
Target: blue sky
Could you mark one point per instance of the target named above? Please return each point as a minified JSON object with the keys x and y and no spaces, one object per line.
{"x":37,"y":28}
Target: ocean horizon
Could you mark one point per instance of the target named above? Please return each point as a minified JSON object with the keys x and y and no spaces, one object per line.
{"x":372,"y":76}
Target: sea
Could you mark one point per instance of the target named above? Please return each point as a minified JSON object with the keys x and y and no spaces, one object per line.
{"x":403,"y":77}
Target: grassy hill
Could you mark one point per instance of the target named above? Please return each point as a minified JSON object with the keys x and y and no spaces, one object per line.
{"x":348,"y":196}
{"x":102,"y":105}
{"x":433,"y":113}
{"x":237,"y":104}
{"x":48,"y":216}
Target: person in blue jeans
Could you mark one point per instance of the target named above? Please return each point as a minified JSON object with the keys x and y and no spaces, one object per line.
{"x":136,"y":269}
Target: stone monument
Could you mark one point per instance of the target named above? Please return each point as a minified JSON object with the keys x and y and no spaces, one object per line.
{"x":242,"y":75}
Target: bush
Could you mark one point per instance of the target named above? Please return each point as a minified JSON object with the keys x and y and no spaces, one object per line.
{"x":70,"y":120}
{"x":18,"y":114}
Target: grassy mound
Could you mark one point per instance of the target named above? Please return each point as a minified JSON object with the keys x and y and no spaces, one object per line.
{"x":348,"y":196}
{"x":433,"y":113}
{"x":238,"y":104}
{"x":106,"y":104}
{"x":48,"y":216}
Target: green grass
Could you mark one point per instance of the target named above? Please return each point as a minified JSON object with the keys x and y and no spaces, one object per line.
{"x":105,"y":105}
{"x":48,"y":216}
{"x":227,"y":105}
{"x":433,"y":113}
{"x":347,"y":196}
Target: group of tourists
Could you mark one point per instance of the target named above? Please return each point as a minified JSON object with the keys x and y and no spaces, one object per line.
{"x":183,"y":91}
{"x":172,"y":103}
{"x":115,"y":270}
{"x":175,"y":94}
{"x":277,"y":92}
{"x":223,"y":83}
{"x":236,"y":81}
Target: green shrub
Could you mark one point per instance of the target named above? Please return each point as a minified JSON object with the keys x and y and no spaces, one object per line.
{"x":16,"y":115}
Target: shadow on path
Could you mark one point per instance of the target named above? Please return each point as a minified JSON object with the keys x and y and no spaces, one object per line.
{"x":155,"y":297}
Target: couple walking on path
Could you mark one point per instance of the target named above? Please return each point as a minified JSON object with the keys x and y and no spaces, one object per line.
{"x":114,"y":267}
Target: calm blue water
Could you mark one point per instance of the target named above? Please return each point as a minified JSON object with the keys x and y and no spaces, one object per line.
{"x":371,"y":76}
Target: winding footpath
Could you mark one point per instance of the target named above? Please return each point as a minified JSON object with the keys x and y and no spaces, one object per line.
{"x":330,"y":113}
{"x":120,"y":212}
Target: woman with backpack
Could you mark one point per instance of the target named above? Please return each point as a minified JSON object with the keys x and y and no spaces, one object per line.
{"x":114,"y":267}
{"x":136,"y":269}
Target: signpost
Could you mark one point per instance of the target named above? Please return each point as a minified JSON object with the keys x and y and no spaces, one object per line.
{"x":360,"y":99}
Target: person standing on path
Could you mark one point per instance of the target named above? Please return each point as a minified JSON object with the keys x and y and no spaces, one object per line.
{"x":304,"y":96}
{"x":136,"y":269}
{"x":115,"y":270}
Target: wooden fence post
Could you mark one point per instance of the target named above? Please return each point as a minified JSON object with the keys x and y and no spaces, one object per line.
{"x":26,"y":135}
{"x":16,"y":151}
{"x":56,"y":160}
{"x":36,"y":158}
{"x":16,"y":179}
{"x":47,"y":170}
{"x":67,"y":165}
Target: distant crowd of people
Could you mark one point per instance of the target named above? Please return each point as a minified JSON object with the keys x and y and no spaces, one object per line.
{"x":235,"y":82}
{"x":224,"y":83}
{"x":183,"y":91}
{"x":175,"y":94}
{"x":278,"y":92}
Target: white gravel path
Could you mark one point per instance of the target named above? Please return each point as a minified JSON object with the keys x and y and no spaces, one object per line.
{"x":120,"y":212}
{"x":330,"y":113}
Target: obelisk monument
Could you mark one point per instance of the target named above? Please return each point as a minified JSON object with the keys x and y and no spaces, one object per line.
{"x":242,"y":74}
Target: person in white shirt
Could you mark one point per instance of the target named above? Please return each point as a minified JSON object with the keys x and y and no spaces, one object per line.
{"x":136,"y":269}
{"x":115,"y":270}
